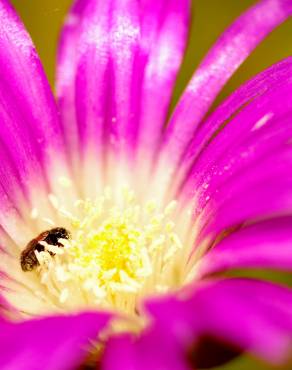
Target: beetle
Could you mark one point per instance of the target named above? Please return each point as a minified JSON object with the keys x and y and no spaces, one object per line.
{"x":28,"y":259}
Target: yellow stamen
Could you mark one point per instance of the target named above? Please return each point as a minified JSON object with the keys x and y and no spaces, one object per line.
{"x":116,"y":255}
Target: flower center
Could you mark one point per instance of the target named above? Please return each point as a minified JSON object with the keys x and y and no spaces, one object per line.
{"x":116,"y":254}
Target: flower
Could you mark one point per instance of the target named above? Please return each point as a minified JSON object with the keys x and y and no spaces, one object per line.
{"x":116,"y":229}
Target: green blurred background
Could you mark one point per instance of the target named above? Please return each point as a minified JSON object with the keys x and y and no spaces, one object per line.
{"x":43,"y":19}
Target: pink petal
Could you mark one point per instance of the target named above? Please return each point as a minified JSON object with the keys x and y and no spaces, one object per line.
{"x":273,"y":78}
{"x":66,"y":71}
{"x":31,"y":136}
{"x":58,"y":343}
{"x":163,"y":39}
{"x":260,"y":127}
{"x":151,"y":350}
{"x":97,"y":54}
{"x":232,"y":48}
{"x":120,"y":354}
{"x":97,"y":87}
{"x":265,"y":244}
{"x":261,"y":191}
{"x":29,"y":116}
{"x":253,"y":315}
{"x":117,"y":65}
{"x":83,"y":67}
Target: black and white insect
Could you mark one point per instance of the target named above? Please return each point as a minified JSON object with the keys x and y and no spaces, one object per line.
{"x":28,"y":259}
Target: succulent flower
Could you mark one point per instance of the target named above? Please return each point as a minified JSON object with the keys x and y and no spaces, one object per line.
{"x":118,"y":222}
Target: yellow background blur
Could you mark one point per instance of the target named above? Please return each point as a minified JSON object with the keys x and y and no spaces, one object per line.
{"x":43,"y":19}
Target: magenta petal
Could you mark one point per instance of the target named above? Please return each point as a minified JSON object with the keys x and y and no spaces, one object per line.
{"x":223,"y":59}
{"x":265,"y":244}
{"x":253,"y":315}
{"x":82,"y":77}
{"x":260,"y":122}
{"x":30,"y":132}
{"x":260,"y":191}
{"x":163,"y":38}
{"x":116,"y":69}
{"x":273,"y":78}
{"x":173,"y":355}
{"x":124,"y":49}
{"x":57,"y":343}
{"x":120,"y":354}
{"x":258,"y":133}
{"x":145,"y":352}
{"x":97,"y":55}
{"x":29,"y":121}
{"x":66,"y":70}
